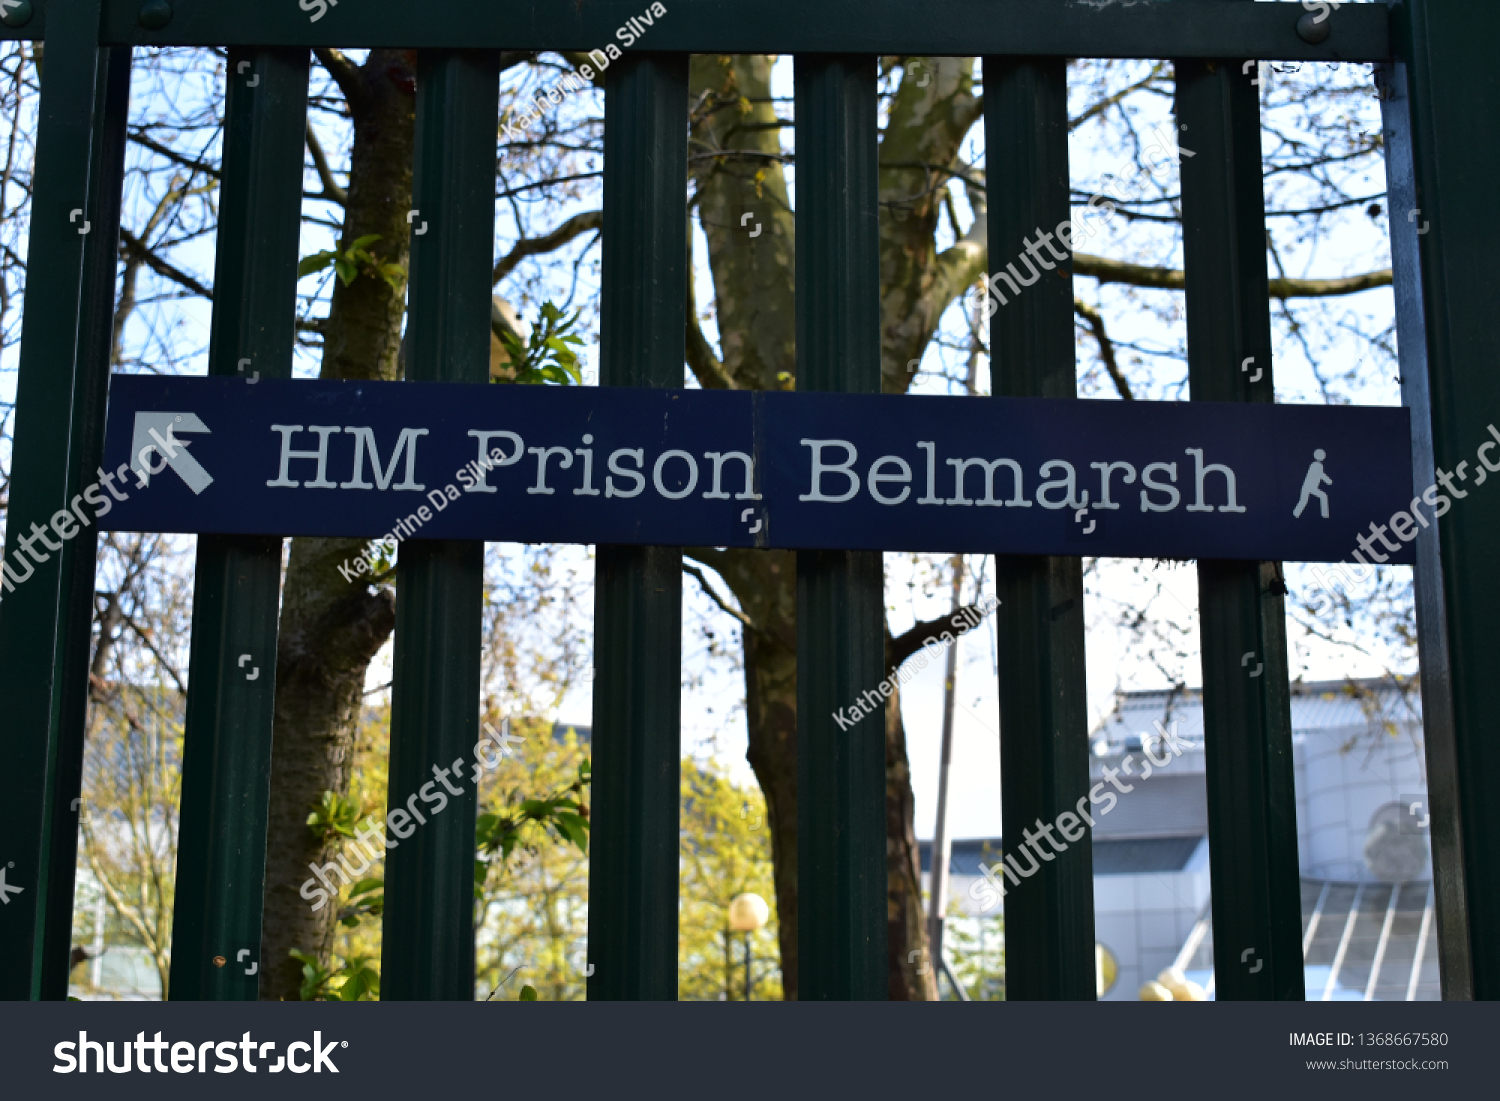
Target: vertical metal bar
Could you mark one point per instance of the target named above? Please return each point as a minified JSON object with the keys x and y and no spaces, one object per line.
{"x":841,"y":869}
{"x":638,"y":590}
{"x":427,"y":952}
{"x":226,"y":771}
{"x":46,"y":614}
{"x":112,"y":110}
{"x":1454,"y":398}
{"x":1044,"y":756}
{"x":1252,"y":813}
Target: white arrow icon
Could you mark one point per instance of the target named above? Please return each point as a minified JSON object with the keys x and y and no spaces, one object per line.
{"x":149,"y":429}
{"x":5,"y":888}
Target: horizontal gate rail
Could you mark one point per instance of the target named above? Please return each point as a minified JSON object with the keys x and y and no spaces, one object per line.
{"x":952,"y":28}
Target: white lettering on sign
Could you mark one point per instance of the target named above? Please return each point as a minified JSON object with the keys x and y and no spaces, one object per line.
{"x":819,"y":468}
{"x":1059,"y":488}
{"x":833,"y":474}
{"x":287,"y":455}
{"x":479,"y":481}
{"x":719,"y":459}
{"x":1203,"y":472}
{"x":961,"y":465}
{"x":365,"y":438}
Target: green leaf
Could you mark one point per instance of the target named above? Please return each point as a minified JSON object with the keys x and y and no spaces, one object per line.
{"x":316,"y":262}
{"x":346,"y":270}
{"x":528,"y":993}
{"x":371,"y":884}
{"x":548,"y":355}
{"x":364,"y":242}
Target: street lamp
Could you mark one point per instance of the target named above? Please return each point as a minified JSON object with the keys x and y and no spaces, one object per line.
{"x":747,"y":913}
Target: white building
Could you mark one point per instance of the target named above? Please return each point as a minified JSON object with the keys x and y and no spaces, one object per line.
{"x":1361,"y":837}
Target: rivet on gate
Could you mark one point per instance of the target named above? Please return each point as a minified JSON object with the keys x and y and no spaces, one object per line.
{"x":155,"y":14}
{"x":1313,"y":30}
{"x":220,"y":961}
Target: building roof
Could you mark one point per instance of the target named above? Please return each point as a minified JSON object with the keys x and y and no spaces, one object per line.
{"x":1316,"y":705}
{"x":1111,"y":857}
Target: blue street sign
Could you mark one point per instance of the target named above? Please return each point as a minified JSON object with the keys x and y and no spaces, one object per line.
{"x":731,"y":468}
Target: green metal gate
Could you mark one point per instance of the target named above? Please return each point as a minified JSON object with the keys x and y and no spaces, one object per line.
{"x":1441,"y":112}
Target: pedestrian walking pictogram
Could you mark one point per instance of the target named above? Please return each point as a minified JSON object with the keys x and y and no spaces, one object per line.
{"x":1312,"y":485}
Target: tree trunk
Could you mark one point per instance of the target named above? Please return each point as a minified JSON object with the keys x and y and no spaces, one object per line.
{"x":737,"y":171}
{"x":331,"y":628}
{"x":766,"y":584}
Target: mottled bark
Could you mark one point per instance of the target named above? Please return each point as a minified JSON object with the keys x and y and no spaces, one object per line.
{"x":918,"y":156}
{"x":765,"y":582}
{"x":913,"y":972}
{"x":330,"y":627}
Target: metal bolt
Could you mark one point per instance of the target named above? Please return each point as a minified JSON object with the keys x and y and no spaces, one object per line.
{"x":17,"y":13}
{"x":155,"y":14}
{"x":1313,"y":30}
{"x":219,"y":961}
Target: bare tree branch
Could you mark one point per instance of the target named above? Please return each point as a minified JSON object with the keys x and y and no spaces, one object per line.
{"x":331,"y":188}
{"x":1106,"y":346}
{"x":706,"y":366}
{"x":694,"y":571}
{"x":345,"y":74}
{"x":134,"y":247}
{"x":903,"y":646}
{"x":1171,"y":279}
{"x":574,"y":227}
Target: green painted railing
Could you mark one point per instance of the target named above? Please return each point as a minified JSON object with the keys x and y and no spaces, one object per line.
{"x":1443,"y":102}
